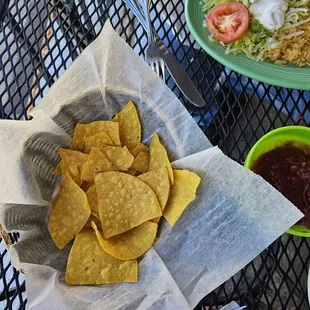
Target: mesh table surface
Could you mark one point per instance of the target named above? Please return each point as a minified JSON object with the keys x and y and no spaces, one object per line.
{"x":40,"y":39}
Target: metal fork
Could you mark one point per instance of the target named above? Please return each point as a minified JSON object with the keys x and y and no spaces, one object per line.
{"x":152,"y":52}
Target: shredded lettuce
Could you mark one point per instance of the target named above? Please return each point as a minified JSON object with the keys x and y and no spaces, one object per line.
{"x":297,"y":3}
{"x":209,"y":4}
{"x":255,"y":42}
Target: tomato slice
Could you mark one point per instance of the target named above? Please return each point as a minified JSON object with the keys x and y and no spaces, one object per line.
{"x":228,"y":22}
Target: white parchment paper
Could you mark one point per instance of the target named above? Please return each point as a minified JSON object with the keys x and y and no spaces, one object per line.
{"x":235,"y":217}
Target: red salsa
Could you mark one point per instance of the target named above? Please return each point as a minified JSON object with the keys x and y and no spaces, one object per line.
{"x":287,"y":168}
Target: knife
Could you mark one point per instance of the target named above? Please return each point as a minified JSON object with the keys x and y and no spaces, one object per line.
{"x":179,"y":75}
{"x":175,"y":69}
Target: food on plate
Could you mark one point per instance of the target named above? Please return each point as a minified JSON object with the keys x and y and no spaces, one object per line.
{"x":70,"y":212}
{"x":130,"y":244}
{"x":159,"y":157}
{"x":276,"y":31}
{"x":96,"y":162}
{"x":119,"y":156}
{"x":129,"y":126}
{"x":112,"y":196}
{"x":182,"y":193}
{"x":88,"y":263}
{"x":99,"y":140}
{"x":287,"y":168}
{"x":124,"y":202}
{"x":228,"y":22}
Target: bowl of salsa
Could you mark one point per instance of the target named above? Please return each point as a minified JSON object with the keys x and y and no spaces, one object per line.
{"x":282,"y":158}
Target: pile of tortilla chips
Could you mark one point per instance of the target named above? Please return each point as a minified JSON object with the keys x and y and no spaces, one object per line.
{"x":113,"y":193}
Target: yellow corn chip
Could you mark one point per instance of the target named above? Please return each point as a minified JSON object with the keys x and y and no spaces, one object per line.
{"x":82,"y":131}
{"x":92,"y":198}
{"x":86,"y":186}
{"x":139,"y":148}
{"x":141,"y":162}
{"x":131,"y":171}
{"x":97,"y":162}
{"x":89,"y":264}
{"x":159,"y":157}
{"x":130,"y":244}
{"x":75,"y":174}
{"x":91,"y":219}
{"x":158,"y":181}
{"x":129,"y":125}
{"x":95,"y":214}
{"x":78,"y":143}
{"x":69,"y":213}
{"x":124,"y":202}
{"x":99,"y":140}
{"x":71,"y":158}
{"x":182,"y":193}
{"x":119,"y":156}
{"x":57,"y":169}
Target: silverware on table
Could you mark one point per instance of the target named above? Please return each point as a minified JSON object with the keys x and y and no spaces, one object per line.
{"x":159,"y":57}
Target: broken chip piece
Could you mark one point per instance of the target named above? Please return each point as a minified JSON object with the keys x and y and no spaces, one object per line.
{"x":129,"y":125}
{"x":97,"y":162}
{"x":182,"y":193}
{"x":130,"y":244}
{"x":88,"y":263}
{"x":119,"y":156}
{"x":98,"y":140}
{"x":141,"y":162}
{"x":70,"y":212}
{"x":159,"y":157}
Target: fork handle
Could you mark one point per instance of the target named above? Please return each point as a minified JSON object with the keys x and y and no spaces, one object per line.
{"x":147,"y":6}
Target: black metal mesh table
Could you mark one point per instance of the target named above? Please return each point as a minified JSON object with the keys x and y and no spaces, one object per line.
{"x":40,"y":39}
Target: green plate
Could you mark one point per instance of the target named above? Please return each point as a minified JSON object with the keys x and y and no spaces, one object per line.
{"x":289,"y":77}
{"x":299,"y":135}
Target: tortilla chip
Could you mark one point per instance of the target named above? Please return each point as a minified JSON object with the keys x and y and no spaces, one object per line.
{"x":124,"y":202}
{"x":159,"y":157}
{"x":82,"y":131}
{"x":129,"y":125}
{"x":97,"y":162}
{"x":92,"y":198}
{"x":75,"y":174}
{"x":91,"y":219}
{"x":96,"y":214}
{"x":141,"y":162}
{"x":69,"y":213}
{"x":78,"y":138}
{"x":99,"y":140}
{"x":89,"y":264}
{"x":119,"y":156}
{"x":139,"y":148}
{"x":182,"y":193}
{"x":86,"y":186}
{"x":130,"y":244}
{"x":57,"y":169}
{"x":71,"y":158}
{"x":158,"y":181}
{"x":131,"y":171}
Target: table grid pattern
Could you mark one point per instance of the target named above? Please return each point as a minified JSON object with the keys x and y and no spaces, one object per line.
{"x":39,"y":40}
